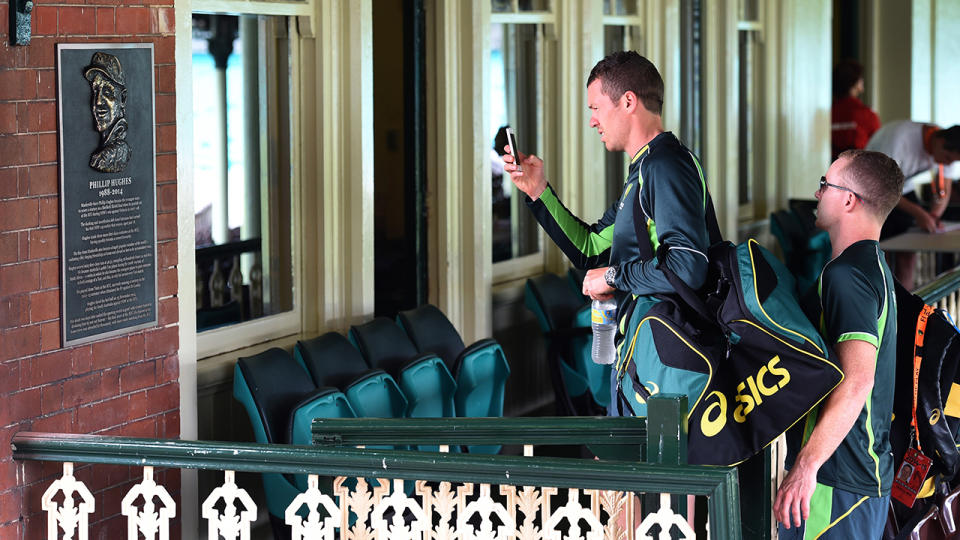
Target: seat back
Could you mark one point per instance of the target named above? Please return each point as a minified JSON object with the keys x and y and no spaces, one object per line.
{"x":805,"y":250}
{"x":481,"y":380}
{"x":597,"y":376}
{"x":555,"y":305}
{"x":575,"y":279}
{"x":383,"y":344}
{"x":269,"y":385}
{"x":788,"y":232}
{"x":429,"y":388}
{"x":552,"y":301}
{"x":481,"y":369}
{"x":376,"y":395}
{"x":331,"y":360}
{"x":431,"y":332}
{"x":805,"y":211}
{"x":326,"y":402}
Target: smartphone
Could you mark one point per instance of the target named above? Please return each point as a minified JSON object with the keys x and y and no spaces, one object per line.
{"x":512,"y":141}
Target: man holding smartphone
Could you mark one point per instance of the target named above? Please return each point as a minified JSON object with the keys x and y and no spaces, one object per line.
{"x":664,"y":198}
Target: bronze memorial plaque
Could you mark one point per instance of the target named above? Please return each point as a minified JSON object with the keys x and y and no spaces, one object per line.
{"x":108,"y":247}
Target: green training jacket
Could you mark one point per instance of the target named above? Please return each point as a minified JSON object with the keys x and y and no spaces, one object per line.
{"x":672,"y":204}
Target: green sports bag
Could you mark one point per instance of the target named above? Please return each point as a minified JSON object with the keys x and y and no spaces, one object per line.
{"x":741,"y":349}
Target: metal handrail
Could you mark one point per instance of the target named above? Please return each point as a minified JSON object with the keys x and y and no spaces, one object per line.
{"x":718,"y":483}
{"x":366,"y":462}
{"x":608,"y":437}
{"x":938,"y":289}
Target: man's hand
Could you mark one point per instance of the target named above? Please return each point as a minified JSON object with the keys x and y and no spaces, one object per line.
{"x":940,"y":202}
{"x":595,"y":286}
{"x":792,"y":504}
{"x":928,"y":222}
{"x":529,"y":177}
{"x":837,"y":415}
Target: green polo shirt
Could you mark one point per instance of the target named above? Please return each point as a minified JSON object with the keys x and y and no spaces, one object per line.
{"x":857,"y":302}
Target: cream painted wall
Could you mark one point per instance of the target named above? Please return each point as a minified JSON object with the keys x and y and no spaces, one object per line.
{"x":458,"y":165}
{"x":803,"y":121}
{"x":946,"y":106}
{"x":934,"y":71}
{"x":887,"y":61}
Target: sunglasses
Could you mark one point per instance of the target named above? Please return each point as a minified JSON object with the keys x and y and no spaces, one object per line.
{"x":824,"y":184}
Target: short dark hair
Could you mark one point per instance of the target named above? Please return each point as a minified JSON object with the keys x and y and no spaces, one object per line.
{"x":500,"y":139}
{"x":625,"y":71}
{"x":877,"y":178}
{"x":951,"y":138}
{"x":846,"y":74}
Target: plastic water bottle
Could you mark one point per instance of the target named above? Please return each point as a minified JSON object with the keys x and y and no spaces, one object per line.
{"x":603,"y":313}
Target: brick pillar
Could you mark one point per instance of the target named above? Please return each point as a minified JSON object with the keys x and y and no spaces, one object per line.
{"x":126,"y":385}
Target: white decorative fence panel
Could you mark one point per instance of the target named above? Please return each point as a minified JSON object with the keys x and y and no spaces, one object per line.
{"x":382,"y":510}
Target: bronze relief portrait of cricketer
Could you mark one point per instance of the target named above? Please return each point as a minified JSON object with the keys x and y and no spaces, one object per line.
{"x":108,"y":104}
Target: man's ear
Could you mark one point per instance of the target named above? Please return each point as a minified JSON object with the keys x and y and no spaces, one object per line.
{"x":850,"y":202}
{"x":630,"y":100}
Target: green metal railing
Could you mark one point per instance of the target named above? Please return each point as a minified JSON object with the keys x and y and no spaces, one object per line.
{"x":607,"y":437}
{"x":662,"y":435}
{"x":403,"y":464}
{"x":942,"y":287}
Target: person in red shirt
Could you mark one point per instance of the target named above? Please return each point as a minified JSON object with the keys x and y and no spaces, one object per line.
{"x":852,"y":122}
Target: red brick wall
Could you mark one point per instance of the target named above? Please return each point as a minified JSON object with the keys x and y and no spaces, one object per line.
{"x":121,"y":386}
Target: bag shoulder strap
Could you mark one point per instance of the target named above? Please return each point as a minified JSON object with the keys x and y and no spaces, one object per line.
{"x":686,"y":293}
{"x":643,"y":237}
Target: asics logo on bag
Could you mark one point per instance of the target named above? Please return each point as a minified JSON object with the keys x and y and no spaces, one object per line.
{"x":749,"y":396}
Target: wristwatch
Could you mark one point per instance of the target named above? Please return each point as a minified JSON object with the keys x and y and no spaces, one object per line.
{"x":610,"y":276}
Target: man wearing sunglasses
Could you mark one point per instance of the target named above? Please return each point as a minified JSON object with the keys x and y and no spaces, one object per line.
{"x":839,"y":460}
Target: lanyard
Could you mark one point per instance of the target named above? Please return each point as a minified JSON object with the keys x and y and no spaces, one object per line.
{"x":917,"y":351}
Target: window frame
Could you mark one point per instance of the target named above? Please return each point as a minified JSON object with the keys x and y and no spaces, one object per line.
{"x":533,"y":263}
{"x":753,"y":205}
{"x":210,"y":343}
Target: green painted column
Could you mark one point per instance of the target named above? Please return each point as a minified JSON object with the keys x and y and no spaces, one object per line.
{"x":666,"y":444}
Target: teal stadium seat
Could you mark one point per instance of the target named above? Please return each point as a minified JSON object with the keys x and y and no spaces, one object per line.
{"x":270,"y":386}
{"x":581,"y":387}
{"x":581,"y":352}
{"x":332,"y":361}
{"x":480,"y":370}
{"x":326,"y":402}
{"x":575,"y":278}
{"x":424,"y":379}
{"x":598,"y":377}
{"x":805,"y":248}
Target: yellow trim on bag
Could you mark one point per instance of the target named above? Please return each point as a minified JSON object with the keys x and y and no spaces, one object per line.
{"x":952,"y":407}
{"x":753,"y":267}
{"x":685,"y":342}
{"x":788,"y":344}
{"x":622,"y":368}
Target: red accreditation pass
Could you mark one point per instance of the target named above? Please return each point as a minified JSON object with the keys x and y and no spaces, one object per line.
{"x":909,"y":479}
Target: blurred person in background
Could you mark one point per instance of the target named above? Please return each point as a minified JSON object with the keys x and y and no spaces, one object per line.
{"x":852,"y":122}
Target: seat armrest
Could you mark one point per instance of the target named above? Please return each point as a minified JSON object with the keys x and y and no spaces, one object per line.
{"x":419,"y":359}
{"x":474,"y":348}
{"x":302,"y":414}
